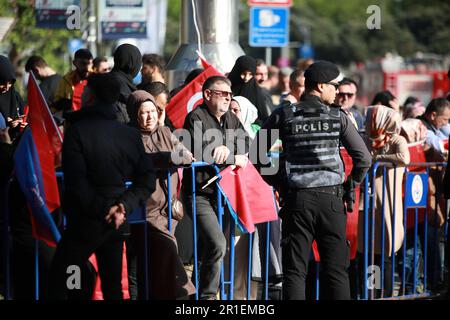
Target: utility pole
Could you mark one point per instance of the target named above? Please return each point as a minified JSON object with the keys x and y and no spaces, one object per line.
{"x":89,"y":25}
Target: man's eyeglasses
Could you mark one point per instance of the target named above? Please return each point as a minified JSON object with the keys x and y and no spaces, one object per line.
{"x":348,"y":94}
{"x":335,"y":85}
{"x":223,"y":94}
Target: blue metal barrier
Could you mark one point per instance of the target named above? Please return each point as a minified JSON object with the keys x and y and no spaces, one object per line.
{"x":138,"y":217}
{"x":369,"y":207}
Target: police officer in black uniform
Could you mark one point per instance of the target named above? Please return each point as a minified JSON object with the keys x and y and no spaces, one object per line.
{"x":313,"y":175}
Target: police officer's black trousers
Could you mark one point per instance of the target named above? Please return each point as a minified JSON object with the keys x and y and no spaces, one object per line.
{"x":310,"y":215}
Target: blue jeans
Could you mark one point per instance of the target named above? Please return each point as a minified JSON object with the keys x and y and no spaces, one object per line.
{"x":409,"y":267}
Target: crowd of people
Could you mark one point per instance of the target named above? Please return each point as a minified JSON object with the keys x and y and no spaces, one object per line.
{"x":116,"y":130}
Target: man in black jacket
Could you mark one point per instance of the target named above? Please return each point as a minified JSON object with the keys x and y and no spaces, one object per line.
{"x":99,"y":155}
{"x":217,"y":136}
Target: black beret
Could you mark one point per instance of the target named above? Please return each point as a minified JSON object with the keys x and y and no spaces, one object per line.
{"x":321,"y":72}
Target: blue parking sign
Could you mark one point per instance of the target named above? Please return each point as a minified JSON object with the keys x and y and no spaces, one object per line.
{"x":269,"y":27}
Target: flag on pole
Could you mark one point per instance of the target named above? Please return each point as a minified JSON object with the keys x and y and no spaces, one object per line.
{"x":29,"y":175}
{"x":190,"y":96}
{"x":36,"y":156}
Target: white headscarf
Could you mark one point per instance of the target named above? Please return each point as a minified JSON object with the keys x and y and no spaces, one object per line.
{"x":249,"y":114}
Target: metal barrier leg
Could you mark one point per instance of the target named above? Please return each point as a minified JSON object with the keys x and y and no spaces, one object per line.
{"x":425,"y":248}
{"x":393,"y":234}
{"x":405,"y":226}
{"x":266,"y":263}
{"x":232,"y":260}
{"x":366,"y":237}
{"x":249,"y":270}
{"x":194,"y":223}
{"x":415,"y":251}
{"x":383,"y":232}
{"x":317,"y":267}
{"x":36,"y":270}
{"x":223,"y":293}
{"x":372,"y":227}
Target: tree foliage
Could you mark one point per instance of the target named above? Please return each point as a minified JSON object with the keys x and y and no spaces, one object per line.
{"x":26,"y":39}
{"x":338,"y":30}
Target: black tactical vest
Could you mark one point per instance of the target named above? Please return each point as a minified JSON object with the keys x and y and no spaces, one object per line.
{"x":310,"y":138}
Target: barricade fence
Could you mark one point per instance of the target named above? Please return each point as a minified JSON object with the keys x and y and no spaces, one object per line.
{"x":374,"y":278}
{"x":407,"y":230}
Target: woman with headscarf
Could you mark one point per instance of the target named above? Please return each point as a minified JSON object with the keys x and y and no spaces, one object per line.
{"x":386,"y":145}
{"x":247,"y":114}
{"x":11,"y":104}
{"x":167,"y":278}
{"x":127,"y":63}
{"x":244,"y":84}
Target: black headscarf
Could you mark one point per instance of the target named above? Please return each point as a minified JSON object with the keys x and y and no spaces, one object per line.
{"x":251,"y":90}
{"x":127,"y":63}
{"x":11,"y":104}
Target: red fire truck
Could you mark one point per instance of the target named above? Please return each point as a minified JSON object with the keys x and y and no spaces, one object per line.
{"x":424,"y":78}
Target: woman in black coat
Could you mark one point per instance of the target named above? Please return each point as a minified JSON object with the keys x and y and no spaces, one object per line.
{"x":242,"y":78}
{"x":127,"y":63}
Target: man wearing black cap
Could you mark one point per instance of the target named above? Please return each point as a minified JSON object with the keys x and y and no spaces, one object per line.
{"x":67,"y":96}
{"x":311,"y":132}
{"x":99,"y":154}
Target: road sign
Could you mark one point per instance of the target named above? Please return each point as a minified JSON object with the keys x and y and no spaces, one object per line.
{"x":122,"y":19}
{"x":281,"y":3}
{"x":306,"y":51}
{"x":74,"y":45}
{"x":416,"y":190}
{"x":52,"y":13}
{"x":269,"y":27}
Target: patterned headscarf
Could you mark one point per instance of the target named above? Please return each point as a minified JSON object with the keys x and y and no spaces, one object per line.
{"x":381,"y":123}
{"x":413,"y":130}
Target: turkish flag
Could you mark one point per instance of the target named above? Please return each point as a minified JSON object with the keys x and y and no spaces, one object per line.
{"x":48,"y":140}
{"x":189,"y":97}
{"x":250,"y":197}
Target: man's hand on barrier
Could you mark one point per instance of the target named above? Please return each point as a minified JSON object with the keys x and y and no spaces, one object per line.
{"x":240,"y":160}
{"x":349,"y":193}
{"x":221,"y":154}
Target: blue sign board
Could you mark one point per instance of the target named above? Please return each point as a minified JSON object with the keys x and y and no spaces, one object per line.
{"x":269,"y":27}
{"x":52,"y":14}
{"x":74,"y":45}
{"x":123,"y":29}
{"x":416,"y":190}
{"x":306,"y":51}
